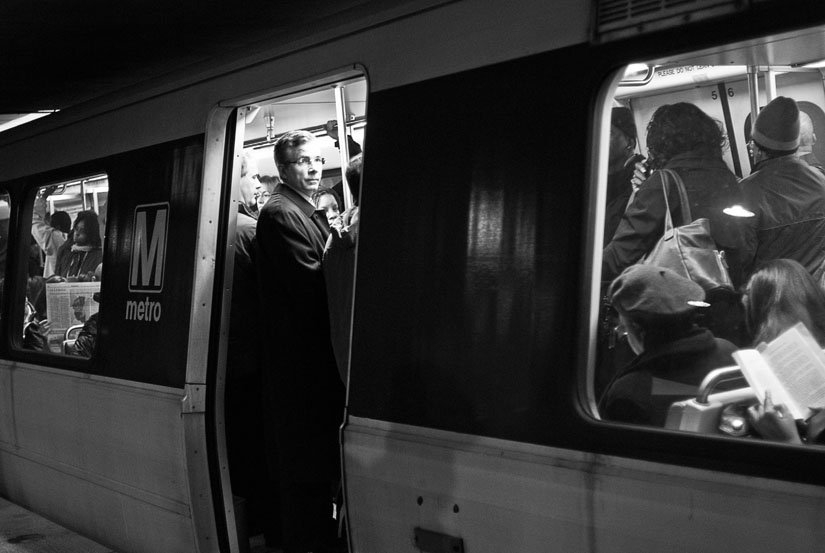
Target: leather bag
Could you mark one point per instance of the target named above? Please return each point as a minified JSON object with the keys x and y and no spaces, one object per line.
{"x":688,"y":250}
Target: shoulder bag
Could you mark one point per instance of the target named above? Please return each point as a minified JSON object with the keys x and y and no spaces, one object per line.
{"x":688,"y":250}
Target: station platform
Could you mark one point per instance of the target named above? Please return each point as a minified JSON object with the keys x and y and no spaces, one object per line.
{"x":23,"y":531}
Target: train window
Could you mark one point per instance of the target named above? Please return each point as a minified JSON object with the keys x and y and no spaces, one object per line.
{"x":667,"y":346}
{"x":65,"y":266}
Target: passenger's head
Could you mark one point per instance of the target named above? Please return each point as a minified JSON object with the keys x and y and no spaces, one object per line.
{"x":681,"y":128}
{"x":61,"y":221}
{"x":249,"y":166}
{"x":807,"y":138}
{"x":299,"y":161}
{"x":326,"y":200}
{"x":776,"y":129}
{"x":86,"y":230}
{"x":353,"y":175}
{"x":250,"y":189}
{"x":654,"y":304}
{"x":780,"y":294}
{"x":622,"y":135}
{"x":268,"y":184}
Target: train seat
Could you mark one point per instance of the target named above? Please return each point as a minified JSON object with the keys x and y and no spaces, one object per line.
{"x":69,"y":337}
{"x":702,"y":413}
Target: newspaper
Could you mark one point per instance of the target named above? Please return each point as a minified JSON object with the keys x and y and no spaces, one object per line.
{"x":792,"y":367}
{"x":69,"y":304}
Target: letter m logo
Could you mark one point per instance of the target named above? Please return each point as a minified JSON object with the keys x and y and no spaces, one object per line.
{"x":148,"y":248}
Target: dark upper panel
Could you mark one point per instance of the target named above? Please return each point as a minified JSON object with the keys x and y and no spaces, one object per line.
{"x":55,"y":54}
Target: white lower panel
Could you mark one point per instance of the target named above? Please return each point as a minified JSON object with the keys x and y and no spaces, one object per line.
{"x":501,"y":496}
{"x":103,"y":458}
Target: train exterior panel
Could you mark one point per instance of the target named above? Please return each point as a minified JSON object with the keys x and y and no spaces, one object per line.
{"x":470,"y":412}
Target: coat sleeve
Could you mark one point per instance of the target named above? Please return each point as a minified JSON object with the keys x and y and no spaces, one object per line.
{"x":641,"y":226}
{"x":751,"y":199}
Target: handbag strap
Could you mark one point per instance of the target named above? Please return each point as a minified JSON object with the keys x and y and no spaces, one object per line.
{"x":671,"y":175}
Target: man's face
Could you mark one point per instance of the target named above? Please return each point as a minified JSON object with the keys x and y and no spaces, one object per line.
{"x":250,"y":190}
{"x":619,"y":145}
{"x":302,"y":172}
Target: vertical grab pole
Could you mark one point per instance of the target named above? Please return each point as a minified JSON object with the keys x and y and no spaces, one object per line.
{"x":343,"y":143}
{"x":753,"y":91}
{"x":770,"y":85}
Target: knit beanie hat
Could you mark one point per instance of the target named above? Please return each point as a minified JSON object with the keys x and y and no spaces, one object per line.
{"x":777,"y":125}
{"x":655,"y":293}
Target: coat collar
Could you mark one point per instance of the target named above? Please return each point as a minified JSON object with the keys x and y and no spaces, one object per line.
{"x":299,"y":200}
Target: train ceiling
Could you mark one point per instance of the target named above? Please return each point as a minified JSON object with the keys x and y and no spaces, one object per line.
{"x":58,"y":53}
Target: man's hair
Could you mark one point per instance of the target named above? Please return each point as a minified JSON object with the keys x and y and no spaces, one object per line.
{"x":61,"y":221}
{"x":289,"y":140}
{"x":681,"y":128}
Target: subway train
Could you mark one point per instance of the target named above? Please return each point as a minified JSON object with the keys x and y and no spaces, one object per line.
{"x":471,"y":421}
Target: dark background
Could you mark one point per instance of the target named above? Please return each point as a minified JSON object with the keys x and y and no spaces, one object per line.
{"x":57,"y":53}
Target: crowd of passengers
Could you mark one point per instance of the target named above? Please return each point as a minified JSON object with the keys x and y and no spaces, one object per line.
{"x":61,"y":251}
{"x":676,"y":330}
{"x":289,"y":343}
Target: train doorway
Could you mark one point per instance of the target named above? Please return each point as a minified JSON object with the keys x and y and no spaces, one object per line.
{"x":334,"y":114}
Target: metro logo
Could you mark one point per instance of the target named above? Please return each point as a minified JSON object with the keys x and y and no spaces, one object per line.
{"x":148,"y":248}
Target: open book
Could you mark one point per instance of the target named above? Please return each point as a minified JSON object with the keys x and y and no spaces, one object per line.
{"x":792,"y":367}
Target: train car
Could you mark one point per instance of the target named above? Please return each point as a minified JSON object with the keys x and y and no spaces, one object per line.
{"x":472,"y":420}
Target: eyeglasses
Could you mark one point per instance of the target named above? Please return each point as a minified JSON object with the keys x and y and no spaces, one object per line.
{"x":306,"y":160}
{"x":264,"y":195}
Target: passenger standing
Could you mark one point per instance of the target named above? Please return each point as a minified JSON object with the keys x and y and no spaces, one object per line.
{"x":683,"y":138}
{"x":50,"y":234}
{"x":303,"y":394}
{"x":339,"y":270}
{"x":268,"y":184}
{"x":621,"y":164}
{"x":786,"y":195}
{"x":244,"y":426}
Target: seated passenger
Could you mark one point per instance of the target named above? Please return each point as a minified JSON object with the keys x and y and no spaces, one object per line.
{"x":82,"y":252}
{"x":84,"y":345}
{"x":658,"y":309}
{"x":780,"y":294}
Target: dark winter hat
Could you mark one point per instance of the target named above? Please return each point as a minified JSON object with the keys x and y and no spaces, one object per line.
{"x":622,"y":119}
{"x":777,"y":125}
{"x":648,"y":292}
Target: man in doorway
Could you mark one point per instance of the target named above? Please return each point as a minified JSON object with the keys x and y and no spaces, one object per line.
{"x":303,"y":394}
